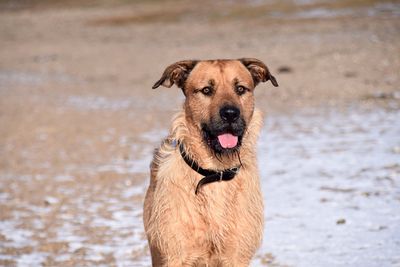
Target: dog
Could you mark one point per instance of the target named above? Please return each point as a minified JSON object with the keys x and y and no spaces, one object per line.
{"x":204,"y":206}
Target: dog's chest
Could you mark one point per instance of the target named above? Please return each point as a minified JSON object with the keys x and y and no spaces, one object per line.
{"x":216,"y":210}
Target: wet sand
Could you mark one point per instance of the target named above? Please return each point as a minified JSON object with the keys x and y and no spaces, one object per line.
{"x":79,"y":121}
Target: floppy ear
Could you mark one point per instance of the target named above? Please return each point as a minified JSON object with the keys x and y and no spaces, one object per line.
{"x":176,"y":73}
{"x":259,"y":71}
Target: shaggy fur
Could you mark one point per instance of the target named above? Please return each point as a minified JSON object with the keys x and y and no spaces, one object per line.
{"x":222,"y":225}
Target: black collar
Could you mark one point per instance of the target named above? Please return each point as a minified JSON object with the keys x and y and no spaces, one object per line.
{"x":209,"y":175}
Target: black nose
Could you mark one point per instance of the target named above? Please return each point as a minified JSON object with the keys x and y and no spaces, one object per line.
{"x":229,"y":113}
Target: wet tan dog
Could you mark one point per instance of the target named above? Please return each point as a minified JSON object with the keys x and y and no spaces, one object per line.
{"x":189,"y":219}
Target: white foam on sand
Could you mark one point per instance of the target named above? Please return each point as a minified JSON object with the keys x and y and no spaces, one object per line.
{"x":331,"y":188}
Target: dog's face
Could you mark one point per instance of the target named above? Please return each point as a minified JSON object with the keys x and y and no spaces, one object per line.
{"x":219,"y":97}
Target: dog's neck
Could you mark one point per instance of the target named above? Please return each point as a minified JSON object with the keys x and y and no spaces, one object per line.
{"x":209,"y":176}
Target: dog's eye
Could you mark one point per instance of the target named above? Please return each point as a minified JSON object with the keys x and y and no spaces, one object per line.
{"x":240,"y":90}
{"x":207,"y":90}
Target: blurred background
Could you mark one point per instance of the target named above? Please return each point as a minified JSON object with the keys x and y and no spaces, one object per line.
{"x":79,"y":122}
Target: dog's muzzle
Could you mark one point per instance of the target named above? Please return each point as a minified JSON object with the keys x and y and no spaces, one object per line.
{"x":224,"y":133}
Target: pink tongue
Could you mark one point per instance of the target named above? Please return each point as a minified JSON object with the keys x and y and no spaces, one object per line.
{"x":228,"y":140}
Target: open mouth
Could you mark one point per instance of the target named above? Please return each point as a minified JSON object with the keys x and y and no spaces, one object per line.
{"x":223,"y":141}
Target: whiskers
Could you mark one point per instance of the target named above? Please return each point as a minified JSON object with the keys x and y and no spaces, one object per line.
{"x":238,"y":157}
{"x":232,"y":156}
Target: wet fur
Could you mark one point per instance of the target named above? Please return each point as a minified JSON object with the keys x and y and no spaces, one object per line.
{"x":222,"y":225}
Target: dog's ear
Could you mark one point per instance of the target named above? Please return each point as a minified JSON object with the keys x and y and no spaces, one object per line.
{"x":259,"y":71}
{"x":176,"y":73}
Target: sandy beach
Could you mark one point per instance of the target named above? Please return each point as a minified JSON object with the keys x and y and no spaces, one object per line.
{"x":79,"y":122}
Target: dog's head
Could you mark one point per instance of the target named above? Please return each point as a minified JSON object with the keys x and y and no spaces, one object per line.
{"x":219,"y":97}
